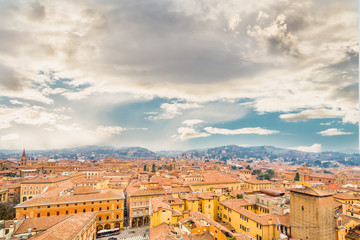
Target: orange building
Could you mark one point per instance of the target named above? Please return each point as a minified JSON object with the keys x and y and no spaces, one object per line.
{"x":68,"y":199}
{"x":34,"y":186}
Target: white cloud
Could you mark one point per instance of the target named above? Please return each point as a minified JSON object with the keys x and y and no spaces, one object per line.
{"x":9,"y":137}
{"x":276,"y":37}
{"x":185,"y":133}
{"x":252,"y":130}
{"x":234,"y":22}
{"x":334,"y":132}
{"x":16,"y":102}
{"x":312,"y":114}
{"x":192,"y":122}
{"x":170,"y":110}
{"x":316,"y":147}
{"x":28,"y":115}
{"x":108,"y":131}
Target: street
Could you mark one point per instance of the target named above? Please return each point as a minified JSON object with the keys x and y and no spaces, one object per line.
{"x":141,"y":233}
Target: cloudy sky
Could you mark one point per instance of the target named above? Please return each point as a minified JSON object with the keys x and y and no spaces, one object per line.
{"x":179,"y":74}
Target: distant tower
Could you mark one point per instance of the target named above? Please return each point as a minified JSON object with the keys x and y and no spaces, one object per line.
{"x":23,"y":159}
{"x":312,"y":214}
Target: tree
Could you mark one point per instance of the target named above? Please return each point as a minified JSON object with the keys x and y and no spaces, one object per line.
{"x":153,"y":167}
{"x":7,"y":211}
{"x":271,"y":173}
{"x":248,"y":167}
{"x":297,"y":177}
{"x":145,"y":168}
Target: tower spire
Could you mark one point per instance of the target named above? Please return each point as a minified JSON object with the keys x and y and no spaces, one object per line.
{"x":23,"y":154}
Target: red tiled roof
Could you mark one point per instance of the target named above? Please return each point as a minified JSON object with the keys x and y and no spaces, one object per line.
{"x":66,"y":229}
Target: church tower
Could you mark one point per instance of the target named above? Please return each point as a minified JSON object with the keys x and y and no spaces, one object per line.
{"x":23,"y":159}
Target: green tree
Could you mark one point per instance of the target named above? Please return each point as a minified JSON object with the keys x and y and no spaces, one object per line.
{"x":248,"y":167}
{"x":270,"y":173}
{"x":297,"y":177}
{"x":153,"y":167}
{"x":7,"y":211}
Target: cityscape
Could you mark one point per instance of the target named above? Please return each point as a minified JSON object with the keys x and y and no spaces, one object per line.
{"x":179,"y":120}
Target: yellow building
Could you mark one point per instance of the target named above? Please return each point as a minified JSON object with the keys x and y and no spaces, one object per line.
{"x":4,"y":193}
{"x":139,"y":200}
{"x":249,"y":219}
{"x":213,"y":182}
{"x":256,"y":185}
{"x":169,"y":209}
{"x":343,"y":224}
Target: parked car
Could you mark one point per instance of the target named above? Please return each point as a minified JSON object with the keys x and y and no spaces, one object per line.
{"x":112,"y":238}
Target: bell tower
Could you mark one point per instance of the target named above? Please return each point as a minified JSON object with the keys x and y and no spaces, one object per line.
{"x":23,"y":159}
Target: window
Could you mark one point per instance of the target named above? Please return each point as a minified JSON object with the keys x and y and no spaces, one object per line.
{"x":302,"y":208}
{"x":258,"y":226}
{"x":24,"y":192}
{"x":99,"y":218}
{"x":58,"y":205}
{"x":107,"y":217}
{"x":38,"y":215}
{"x":229,"y":219}
{"x":134,"y":204}
{"x":25,"y":208}
{"x":57,"y":213}
{"x":67,"y":205}
{"x":48,"y":214}
{"x":84,"y":203}
{"x":67,"y":212}
{"x":99,"y":208}
{"x":75,"y":211}
{"x":92,"y":209}
{"x":84,"y":210}
{"x":30,"y":192}
{"x":75,"y":204}
{"x":117,"y":207}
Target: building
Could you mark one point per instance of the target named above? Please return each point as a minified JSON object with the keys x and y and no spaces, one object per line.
{"x":23,"y":159}
{"x":256,"y":185}
{"x":67,"y":199}
{"x":32,"y":187}
{"x":139,"y":203}
{"x":80,"y":226}
{"x":250,"y":219}
{"x":312,"y":214}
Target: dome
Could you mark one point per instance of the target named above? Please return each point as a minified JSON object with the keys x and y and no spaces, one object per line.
{"x":51,"y":160}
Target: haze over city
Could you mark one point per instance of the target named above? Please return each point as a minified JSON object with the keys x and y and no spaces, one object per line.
{"x":179,"y":74}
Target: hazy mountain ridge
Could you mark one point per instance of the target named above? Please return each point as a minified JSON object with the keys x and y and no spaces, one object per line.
{"x":222,"y":153}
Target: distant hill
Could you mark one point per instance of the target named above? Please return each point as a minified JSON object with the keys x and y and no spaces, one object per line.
{"x":222,"y":153}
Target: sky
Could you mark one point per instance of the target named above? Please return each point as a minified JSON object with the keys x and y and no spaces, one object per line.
{"x":179,"y":74}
